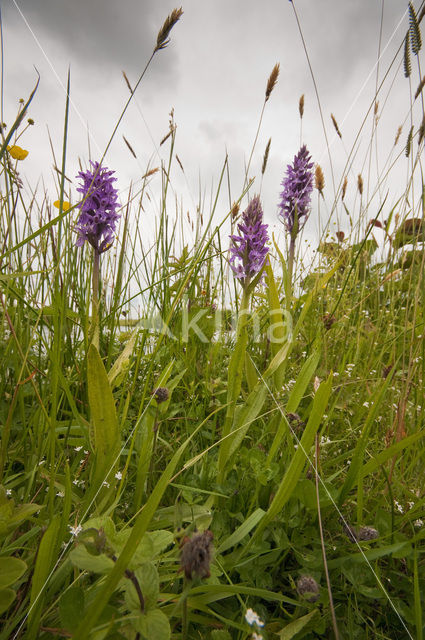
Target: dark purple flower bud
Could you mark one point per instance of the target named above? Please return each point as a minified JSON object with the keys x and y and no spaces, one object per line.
{"x":161,"y":394}
{"x":249,"y":250}
{"x":98,"y":216}
{"x":296,"y":195}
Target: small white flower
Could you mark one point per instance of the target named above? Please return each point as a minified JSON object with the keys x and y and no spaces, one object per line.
{"x":366,"y":404}
{"x":60,"y":494}
{"x":74,"y":531}
{"x":75,"y":481}
{"x":256,"y":636}
{"x":252,"y":618}
{"x":118,"y":475}
{"x":419,"y":523}
{"x":8,"y":492}
{"x":105,"y":484}
{"x":78,"y":448}
{"x":398,"y":506}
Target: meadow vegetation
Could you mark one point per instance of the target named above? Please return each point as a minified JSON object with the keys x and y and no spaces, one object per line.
{"x":243,"y":458}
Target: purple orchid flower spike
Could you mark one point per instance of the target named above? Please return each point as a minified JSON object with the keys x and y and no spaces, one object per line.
{"x":98,"y":216}
{"x":249,"y":250}
{"x":296,"y":195}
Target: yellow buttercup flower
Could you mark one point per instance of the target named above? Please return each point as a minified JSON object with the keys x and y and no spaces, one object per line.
{"x":17,"y":153}
{"x":65,"y":205}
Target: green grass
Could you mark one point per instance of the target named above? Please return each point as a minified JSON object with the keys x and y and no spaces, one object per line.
{"x":101,"y":484}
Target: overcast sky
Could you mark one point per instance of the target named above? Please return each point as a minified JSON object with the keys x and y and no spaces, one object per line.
{"x":213,"y":73}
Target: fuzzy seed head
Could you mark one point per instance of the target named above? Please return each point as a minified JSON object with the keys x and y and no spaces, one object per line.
{"x":308,"y":588}
{"x":196,"y":555}
{"x":161,"y":394}
{"x":360,"y":183}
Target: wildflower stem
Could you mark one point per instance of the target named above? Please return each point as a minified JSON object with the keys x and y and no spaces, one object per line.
{"x":94,"y":333}
{"x":322,"y":542}
{"x":234,"y":381}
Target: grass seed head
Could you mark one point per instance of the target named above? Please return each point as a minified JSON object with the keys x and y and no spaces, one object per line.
{"x":319,"y":179}
{"x":163,"y":35}
{"x":360,"y":183}
{"x":335,"y":124}
{"x":271,"y":82}
{"x":344,"y":188}
{"x":301,"y":106}
{"x":266,"y":156}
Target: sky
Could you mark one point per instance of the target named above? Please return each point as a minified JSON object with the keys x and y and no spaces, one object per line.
{"x":213,"y":75}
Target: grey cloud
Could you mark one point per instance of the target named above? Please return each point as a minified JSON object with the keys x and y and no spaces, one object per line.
{"x":96,"y":33}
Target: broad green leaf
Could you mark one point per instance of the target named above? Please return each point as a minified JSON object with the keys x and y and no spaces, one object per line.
{"x":148,"y":578}
{"x":71,"y":606}
{"x":353,"y":474}
{"x":161,"y":540}
{"x":297,"y":463}
{"x":222,"y":591}
{"x":121,"y":364}
{"x":303,"y":380}
{"x":153,"y":624}
{"x":242,"y":531}
{"x":297,"y":393}
{"x":104,"y":433}
{"x":291,"y":630}
{"x":45,"y":558}
{"x":7,"y":596}
{"x":378,"y":460}
{"x":11,"y":569}
{"x":250,"y":372}
{"x":244,"y":417}
{"x":139,"y":529}
{"x":219,"y":634}
{"x":278,"y":330}
{"x":86,"y":561}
